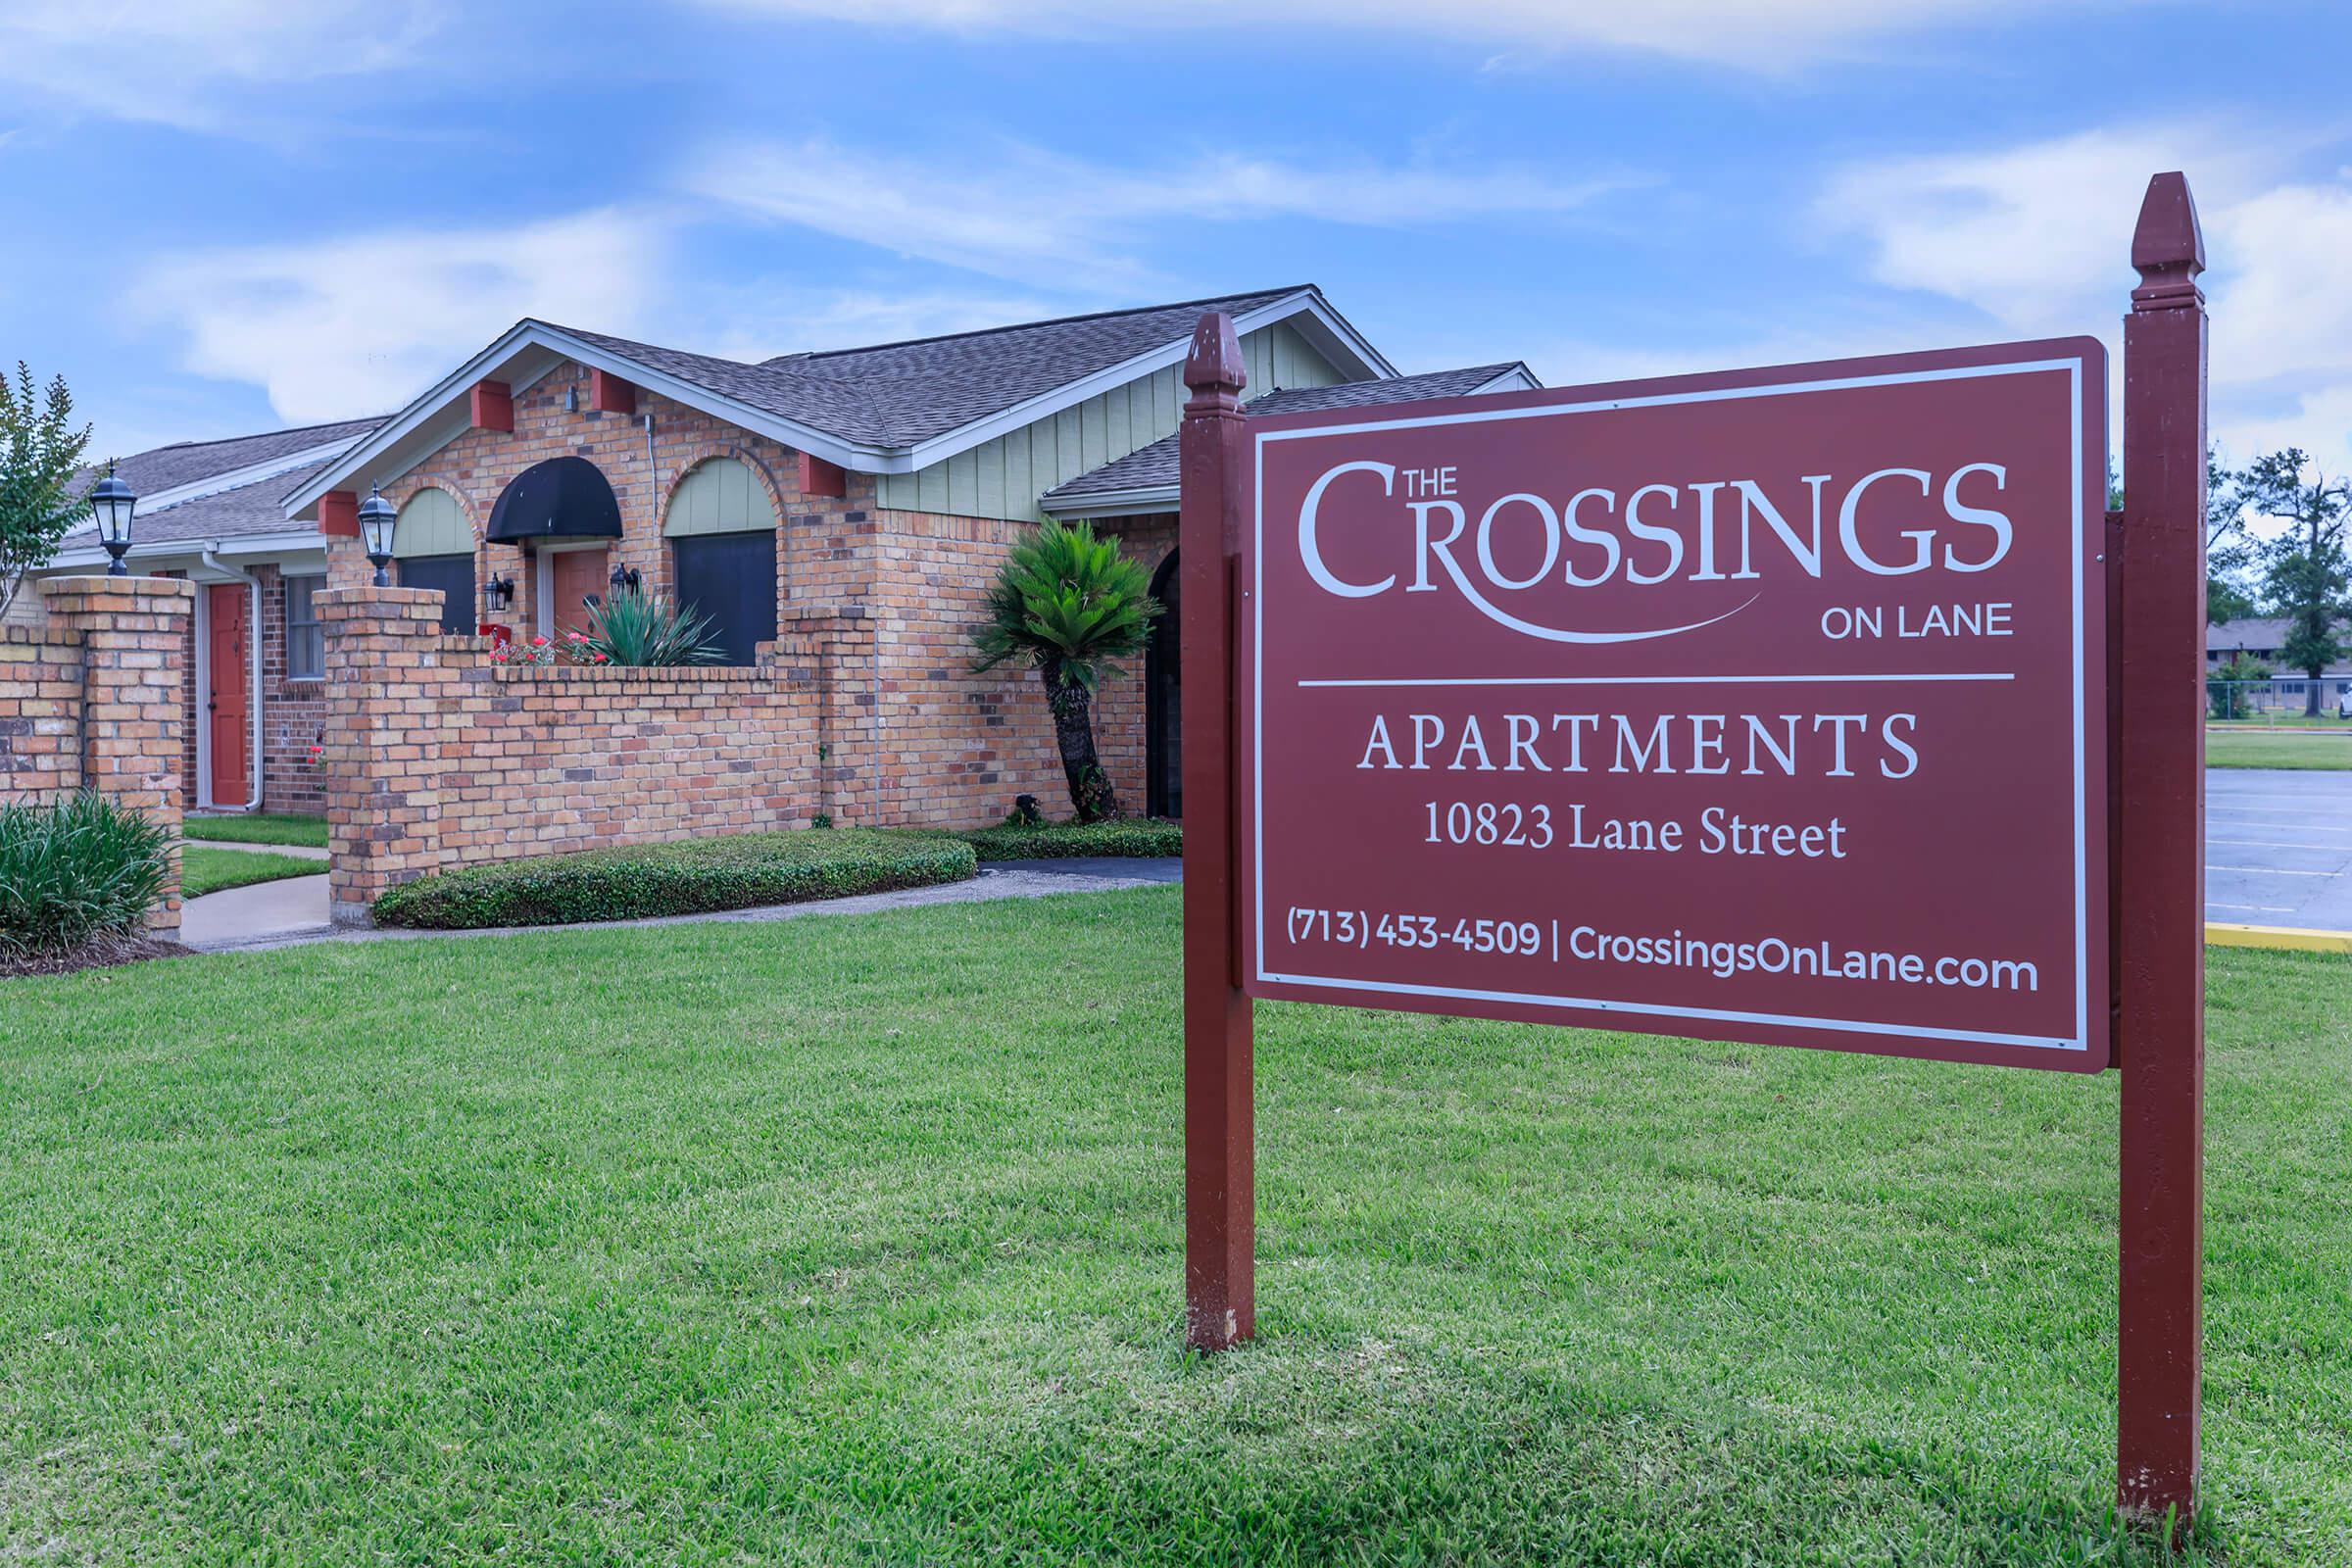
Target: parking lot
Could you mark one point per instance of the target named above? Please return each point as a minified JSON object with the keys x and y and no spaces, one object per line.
{"x":2278,"y":849}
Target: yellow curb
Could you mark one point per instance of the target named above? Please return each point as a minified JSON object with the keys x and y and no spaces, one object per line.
{"x":2276,"y":936}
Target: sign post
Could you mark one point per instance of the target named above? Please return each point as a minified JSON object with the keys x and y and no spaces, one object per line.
{"x":2160,"y":1027}
{"x":1220,"y":1219}
{"x":1787,"y":706}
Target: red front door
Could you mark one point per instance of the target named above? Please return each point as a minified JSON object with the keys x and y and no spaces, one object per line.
{"x":228,"y":658}
{"x":576,"y":576}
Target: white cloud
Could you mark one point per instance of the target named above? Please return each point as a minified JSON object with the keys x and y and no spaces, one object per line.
{"x":1037,"y":216}
{"x":2038,"y":239}
{"x":194,"y":63}
{"x":1732,"y":32}
{"x":356,"y":325}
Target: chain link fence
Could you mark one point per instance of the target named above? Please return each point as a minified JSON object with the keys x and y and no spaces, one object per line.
{"x":2276,"y":699}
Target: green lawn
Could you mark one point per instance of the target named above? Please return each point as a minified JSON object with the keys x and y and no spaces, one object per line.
{"x":859,"y":1239}
{"x":203,"y":870}
{"x":2253,"y":748}
{"x":258,"y":829}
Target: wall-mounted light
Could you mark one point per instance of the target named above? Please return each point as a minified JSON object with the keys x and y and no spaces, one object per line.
{"x":627,"y":580}
{"x":571,"y":398}
{"x":112,"y":502}
{"x":377,"y":520}
{"x":498,"y":596}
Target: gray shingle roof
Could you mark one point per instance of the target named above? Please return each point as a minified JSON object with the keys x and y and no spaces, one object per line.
{"x":254,"y":507}
{"x":186,"y":462}
{"x":901,"y":394}
{"x":1156,"y":466}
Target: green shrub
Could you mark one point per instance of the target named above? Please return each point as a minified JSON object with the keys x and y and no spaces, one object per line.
{"x":692,"y":876}
{"x":83,"y":868}
{"x":647,"y":629}
{"x":1062,"y":841}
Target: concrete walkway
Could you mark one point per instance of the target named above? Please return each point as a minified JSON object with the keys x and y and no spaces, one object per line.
{"x":260,"y":914}
{"x":290,"y":912}
{"x":300,"y":851}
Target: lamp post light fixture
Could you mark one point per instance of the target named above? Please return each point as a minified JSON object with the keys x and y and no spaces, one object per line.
{"x":497,"y":595}
{"x":112,"y":502}
{"x":626,"y":580}
{"x":376,"y":520}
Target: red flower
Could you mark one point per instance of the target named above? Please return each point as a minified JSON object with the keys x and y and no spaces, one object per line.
{"x":538,"y":642}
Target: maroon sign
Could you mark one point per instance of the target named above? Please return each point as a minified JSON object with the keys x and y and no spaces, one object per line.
{"x":1766,"y":706}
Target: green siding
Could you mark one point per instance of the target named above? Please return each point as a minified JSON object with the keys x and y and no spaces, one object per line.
{"x":1003,"y":477}
{"x":720,"y":496}
{"x":430,"y":524}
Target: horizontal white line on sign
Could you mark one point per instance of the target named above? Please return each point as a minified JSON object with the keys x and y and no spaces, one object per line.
{"x":1651,"y":681}
{"x":2282,"y":844}
{"x":2253,"y":908}
{"x":2233,"y":802}
{"x":2270,"y":870}
{"x":1663,"y":1011}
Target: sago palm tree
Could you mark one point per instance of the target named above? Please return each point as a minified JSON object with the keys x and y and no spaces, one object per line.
{"x":1069,"y":604}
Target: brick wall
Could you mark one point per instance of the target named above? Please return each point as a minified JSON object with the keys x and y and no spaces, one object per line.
{"x":40,"y":711}
{"x":956,"y":747}
{"x":92,"y":699}
{"x":294,"y":712}
{"x":825,"y":555}
{"x":438,"y":759}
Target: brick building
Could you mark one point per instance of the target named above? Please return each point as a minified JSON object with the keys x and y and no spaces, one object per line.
{"x":849,"y":506}
{"x":253,"y":672}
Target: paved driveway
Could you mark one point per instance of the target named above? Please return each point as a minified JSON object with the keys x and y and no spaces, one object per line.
{"x":2278,"y":848}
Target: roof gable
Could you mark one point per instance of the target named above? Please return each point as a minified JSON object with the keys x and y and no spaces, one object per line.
{"x":892,"y":407}
{"x":1148,"y":476}
{"x":929,"y":386}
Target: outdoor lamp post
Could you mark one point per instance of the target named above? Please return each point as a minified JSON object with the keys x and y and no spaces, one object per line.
{"x":112,"y":502}
{"x":377,"y":519}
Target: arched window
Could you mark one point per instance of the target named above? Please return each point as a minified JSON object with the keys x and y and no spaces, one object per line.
{"x":722,"y":495}
{"x":722,"y":540}
{"x":1163,"y":702}
{"x":431,"y":525}
{"x":434,"y":545}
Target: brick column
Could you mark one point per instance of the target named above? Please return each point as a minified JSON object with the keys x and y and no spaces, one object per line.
{"x":133,"y":633}
{"x":384,"y":677}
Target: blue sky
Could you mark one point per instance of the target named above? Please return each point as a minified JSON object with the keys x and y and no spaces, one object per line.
{"x":227,"y":215}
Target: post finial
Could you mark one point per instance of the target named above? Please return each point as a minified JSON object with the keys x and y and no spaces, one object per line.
{"x":2168,"y":247}
{"x":1214,"y":369}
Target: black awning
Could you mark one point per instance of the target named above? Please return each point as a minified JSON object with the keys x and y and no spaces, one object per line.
{"x":563,"y":498}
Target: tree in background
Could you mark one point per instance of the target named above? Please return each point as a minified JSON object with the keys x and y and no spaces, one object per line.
{"x":1069,"y":602}
{"x":2228,"y":547}
{"x":2306,"y":573}
{"x":2228,"y":684}
{"x":40,"y":453}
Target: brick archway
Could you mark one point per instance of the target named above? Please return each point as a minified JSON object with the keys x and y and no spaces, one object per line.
{"x":1163,"y":724}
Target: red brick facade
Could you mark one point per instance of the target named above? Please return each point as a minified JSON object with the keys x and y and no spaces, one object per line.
{"x":440,"y":759}
{"x":92,"y":700}
{"x":878,"y":603}
{"x":40,"y":713}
